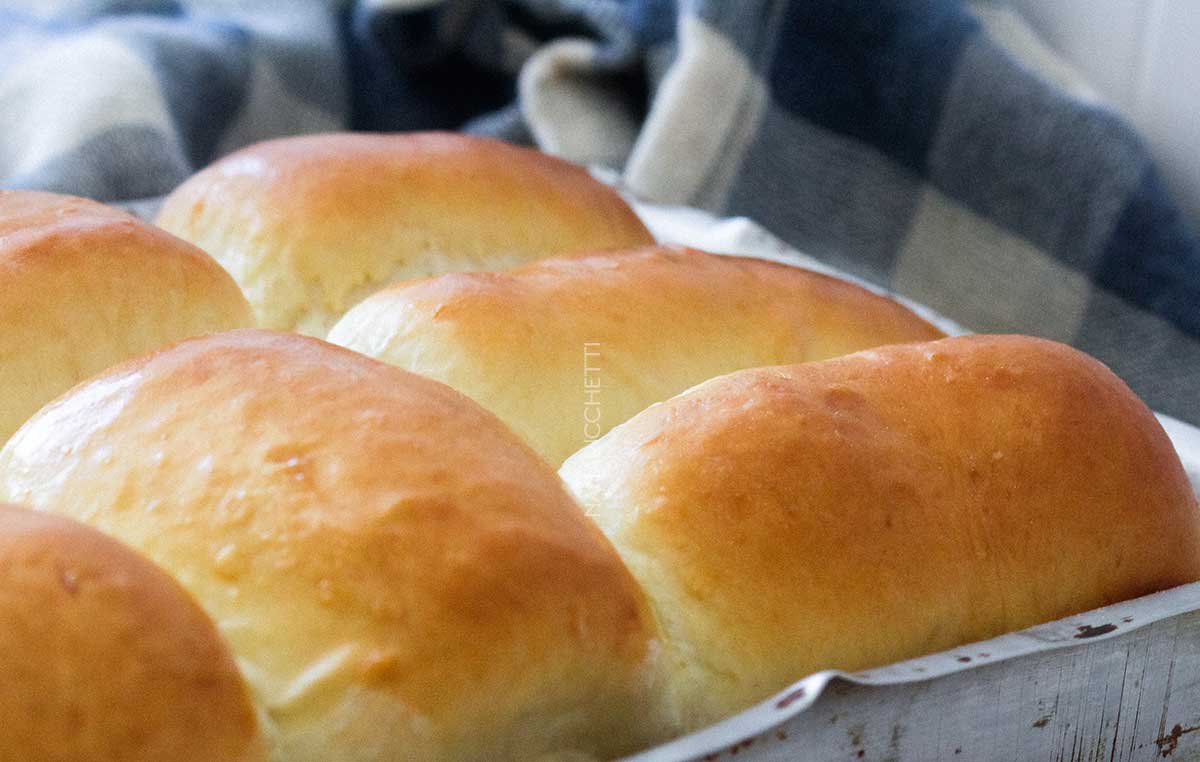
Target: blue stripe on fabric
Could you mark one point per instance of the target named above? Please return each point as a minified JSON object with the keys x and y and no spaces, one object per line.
{"x":1153,"y":257}
{"x":126,"y":162}
{"x":874,"y":71}
{"x":1156,"y":359}
{"x":1022,"y":154}
{"x":86,"y":15}
{"x":308,"y":58}
{"x":92,"y":9}
{"x":393,"y":89}
{"x":653,"y":21}
{"x":752,"y":26}
{"x":203,"y":68}
{"x":830,"y":195}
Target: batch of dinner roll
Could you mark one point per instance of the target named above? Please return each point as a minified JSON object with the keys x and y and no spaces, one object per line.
{"x":418,"y":448}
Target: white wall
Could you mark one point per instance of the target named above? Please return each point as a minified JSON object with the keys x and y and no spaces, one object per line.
{"x":1144,"y":57}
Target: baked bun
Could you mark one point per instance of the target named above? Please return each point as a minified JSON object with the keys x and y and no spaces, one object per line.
{"x":84,"y":287}
{"x":564,"y":349}
{"x":311,"y":225}
{"x":104,"y":658}
{"x":399,"y":576}
{"x":867,"y":509}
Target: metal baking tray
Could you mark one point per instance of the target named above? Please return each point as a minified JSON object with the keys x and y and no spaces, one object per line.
{"x":1118,"y":683}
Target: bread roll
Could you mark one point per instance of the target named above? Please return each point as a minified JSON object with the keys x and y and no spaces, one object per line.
{"x":311,"y":225}
{"x":564,"y":349}
{"x":895,"y":502}
{"x":104,"y":658}
{"x":400,"y":577}
{"x":84,"y":286}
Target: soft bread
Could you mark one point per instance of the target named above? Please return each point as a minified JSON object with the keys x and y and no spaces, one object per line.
{"x":400,"y":577}
{"x":310,"y":225}
{"x":564,"y":349}
{"x":84,"y":286}
{"x":895,"y":502}
{"x":104,"y":658}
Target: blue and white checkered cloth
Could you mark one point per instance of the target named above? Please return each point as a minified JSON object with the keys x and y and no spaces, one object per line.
{"x":933,"y":148}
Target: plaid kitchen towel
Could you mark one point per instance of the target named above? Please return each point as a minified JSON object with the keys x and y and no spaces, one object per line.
{"x":930,"y":147}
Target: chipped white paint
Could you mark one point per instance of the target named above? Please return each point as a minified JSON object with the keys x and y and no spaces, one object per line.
{"x":1116,"y":684}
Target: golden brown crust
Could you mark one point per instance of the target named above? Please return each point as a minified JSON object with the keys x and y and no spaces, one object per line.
{"x":399,"y":576}
{"x":310,"y":225}
{"x":105,"y":658}
{"x":894,"y":502}
{"x":641,"y":325}
{"x":84,"y":286}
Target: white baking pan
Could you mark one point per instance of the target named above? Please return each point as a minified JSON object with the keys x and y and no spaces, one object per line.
{"x":1118,"y":683}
